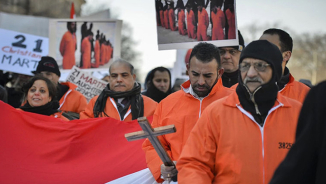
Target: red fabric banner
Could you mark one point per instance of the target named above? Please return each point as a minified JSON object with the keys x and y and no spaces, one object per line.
{"x":42,"y":149}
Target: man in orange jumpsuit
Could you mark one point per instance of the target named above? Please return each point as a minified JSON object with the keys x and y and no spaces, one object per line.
{"x":97,"y":52}
{"x":70,"y":100}
{"x":172,"y":17}
{"x":121,"y":98}
{"x":202,"y":23}
{"x":110,"y":49}
{"x":191,"y":23}
{"x":86,"y":51}
{"x":243,"y":138}
{"x":181,"y":21}
{"x":229,"y":13}
{"x":103,"y":53}
{"x":184,"y":107}
{"x":218,"y":22}
{"x":166,"y":17}
{"x":68,"y":46}
{"x":288,"y":86}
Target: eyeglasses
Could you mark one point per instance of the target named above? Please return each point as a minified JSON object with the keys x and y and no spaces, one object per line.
{"x":260,"y":67}
{"x":232,"y":52}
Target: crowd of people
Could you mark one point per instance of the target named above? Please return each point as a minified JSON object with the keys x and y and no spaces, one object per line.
{"x":196,"y":20}
{"x":92,"y":56}
{"x":237,"y":116}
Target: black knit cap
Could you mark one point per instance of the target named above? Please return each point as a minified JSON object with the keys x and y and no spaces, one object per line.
{"x":266,"y":51}
{"x":48,"y":64}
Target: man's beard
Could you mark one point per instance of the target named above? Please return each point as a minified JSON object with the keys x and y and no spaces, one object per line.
{"x":203,"y":93}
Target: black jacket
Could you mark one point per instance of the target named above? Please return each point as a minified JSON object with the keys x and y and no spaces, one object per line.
{"x":306,"y":160}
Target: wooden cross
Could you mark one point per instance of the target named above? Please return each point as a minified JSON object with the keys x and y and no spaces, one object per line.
{"x":151,"y":134}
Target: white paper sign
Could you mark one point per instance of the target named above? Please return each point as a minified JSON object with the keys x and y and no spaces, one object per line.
{"x":88,"y":85}
{"x":20,"y":52}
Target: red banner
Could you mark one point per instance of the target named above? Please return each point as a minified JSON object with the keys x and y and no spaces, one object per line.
{"x":41,"y":149}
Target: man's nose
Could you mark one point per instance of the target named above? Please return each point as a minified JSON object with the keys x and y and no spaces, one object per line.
{"x":201,"y":80}
{"x":252,"y":72}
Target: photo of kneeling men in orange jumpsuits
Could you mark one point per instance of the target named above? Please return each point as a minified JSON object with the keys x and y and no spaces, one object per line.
{"x":195,"y":20}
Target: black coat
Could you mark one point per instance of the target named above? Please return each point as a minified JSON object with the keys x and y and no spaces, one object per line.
{"x":306,"y":160}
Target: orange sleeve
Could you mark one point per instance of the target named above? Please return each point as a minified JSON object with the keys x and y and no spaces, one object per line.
{"x":152,"y":159}
{"x":88,"y":112}
{"x":197,"y":159}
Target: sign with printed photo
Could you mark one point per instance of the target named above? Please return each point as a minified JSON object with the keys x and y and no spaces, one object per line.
{"x":20,"y":52}
{"x":87,"y":44}
{"x":182,"y":24}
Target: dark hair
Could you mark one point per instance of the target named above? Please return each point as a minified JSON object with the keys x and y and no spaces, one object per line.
{"x":206,"y":52}
{"x":52,"y":89}
{"x":122,"y":61}
{"x":286,"y":41}
{"x":150,"y":75}
{"x":69,"y":24}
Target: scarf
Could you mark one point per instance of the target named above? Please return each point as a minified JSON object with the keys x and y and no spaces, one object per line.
{"x":136,"y":101}
{"x":284,"y":79}
{"x":47,"y":109}
{"x":264,"y":97}
{"x":229,"y":79}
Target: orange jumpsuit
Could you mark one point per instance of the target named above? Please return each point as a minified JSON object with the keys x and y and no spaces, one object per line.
{"x":203,"y":22}
{"x":218,"y":22}
{"x":67,"y":50}
{"x":183,"y":110}
{"x":228,"y":146}
{"x":112,"y":111}
{"x":181,"y":22}
{"x":72,"y":100}
{"x":295,"y":90}
{"x":171,"y":20}
{"x":86,"y":53}
{"x":231,"y":21}
{"x":191,"y":21}
{"x":97,"y":54}
{"x":109,"y":52}
{"x":162,"y":18}
{"x":102,"y":55}
{"x":166,"y":19}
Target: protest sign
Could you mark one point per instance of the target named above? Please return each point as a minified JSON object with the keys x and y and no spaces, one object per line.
{"x":20,"y":52}
{"x":87,"y":84}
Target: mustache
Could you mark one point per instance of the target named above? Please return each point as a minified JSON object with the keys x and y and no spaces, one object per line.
{"x":117,"y":85}
{"x":253,"y":79}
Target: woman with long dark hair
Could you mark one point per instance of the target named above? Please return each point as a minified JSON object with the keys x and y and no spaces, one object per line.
{"x":40,"y":97}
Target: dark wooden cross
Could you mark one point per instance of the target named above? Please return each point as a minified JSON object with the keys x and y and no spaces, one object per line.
{"x":151,"y":134}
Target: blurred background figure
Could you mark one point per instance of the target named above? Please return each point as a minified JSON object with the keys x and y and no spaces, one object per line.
{"x":40,"y":96}
{"x":177,"y":84}
{"x":306,"y":82}
{"x":158,"y":84}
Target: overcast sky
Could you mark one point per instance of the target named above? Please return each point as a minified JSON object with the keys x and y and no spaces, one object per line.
{"x":299,"y":15}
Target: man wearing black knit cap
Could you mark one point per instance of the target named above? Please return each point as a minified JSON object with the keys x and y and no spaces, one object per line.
{"x":243,"y":137}
{"x":230,"y":62}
